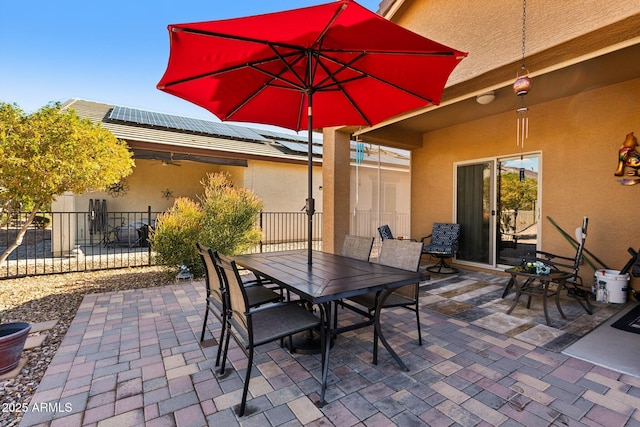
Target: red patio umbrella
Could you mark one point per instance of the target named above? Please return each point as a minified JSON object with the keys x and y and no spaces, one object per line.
{"x":351,"y":65}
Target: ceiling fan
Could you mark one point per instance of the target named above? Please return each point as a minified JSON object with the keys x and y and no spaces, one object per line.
{"x":170,"y":163}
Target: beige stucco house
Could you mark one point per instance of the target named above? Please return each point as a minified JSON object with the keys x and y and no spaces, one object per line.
{"x":583,"y":58}
{"x":173,"y":154}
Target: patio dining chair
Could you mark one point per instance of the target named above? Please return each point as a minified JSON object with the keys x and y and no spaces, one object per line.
{"x":357,"y":247}
{"x":251,"y":327}
{"x":216,"y":298}
{"x":402,"y":254}
{"x":443,"y":244}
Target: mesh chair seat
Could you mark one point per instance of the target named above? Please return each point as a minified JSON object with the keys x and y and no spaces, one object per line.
{"x":216,"y":302}
{"x":280,"y":320}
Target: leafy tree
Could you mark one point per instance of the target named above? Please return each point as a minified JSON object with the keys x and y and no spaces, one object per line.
{"x":224,"y":220}
{"x":516,"y":195}
{"x":50,"y":152}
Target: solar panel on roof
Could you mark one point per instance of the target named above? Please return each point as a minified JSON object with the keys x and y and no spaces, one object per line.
{"x":300,"y":148}
{"x":150,"y":118}
{"x":293,"y":146}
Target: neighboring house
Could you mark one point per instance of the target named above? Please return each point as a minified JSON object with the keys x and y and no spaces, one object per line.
{"x":582,"y":58}
{"x":173,"y":154}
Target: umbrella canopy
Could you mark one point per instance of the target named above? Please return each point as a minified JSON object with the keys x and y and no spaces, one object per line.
{"x":328,"y":65}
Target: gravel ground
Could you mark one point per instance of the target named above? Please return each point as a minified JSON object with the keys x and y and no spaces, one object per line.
{"x":56,"y":297}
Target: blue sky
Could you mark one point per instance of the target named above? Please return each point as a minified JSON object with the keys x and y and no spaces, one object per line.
{"x":108,"y":51}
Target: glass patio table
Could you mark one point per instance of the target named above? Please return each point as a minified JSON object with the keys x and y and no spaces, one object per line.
{"x":330,"y":278}
{"x":532,"y":284}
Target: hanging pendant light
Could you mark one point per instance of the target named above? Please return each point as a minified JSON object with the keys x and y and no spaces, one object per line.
{"x":521,"y":87}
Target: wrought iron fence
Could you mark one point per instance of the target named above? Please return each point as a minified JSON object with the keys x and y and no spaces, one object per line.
{"x":62,"y":242}
{"x":366,"y":223}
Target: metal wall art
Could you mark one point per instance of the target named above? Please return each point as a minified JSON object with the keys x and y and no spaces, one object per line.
{"x":629,"y":161}
{"x":119,"y":189}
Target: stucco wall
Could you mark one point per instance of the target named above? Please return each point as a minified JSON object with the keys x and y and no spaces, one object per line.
{"x":150,"y":178}
{"x":492,"y":30}
{"x":282,"y":186}
{"x":578,"y":140}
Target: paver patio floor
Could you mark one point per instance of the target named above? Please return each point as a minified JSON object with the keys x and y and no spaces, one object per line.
{"x":133,"y":358}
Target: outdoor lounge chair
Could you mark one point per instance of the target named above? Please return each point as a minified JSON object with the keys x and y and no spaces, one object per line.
{"x":251,"y":327}
{"x":443,"y":244}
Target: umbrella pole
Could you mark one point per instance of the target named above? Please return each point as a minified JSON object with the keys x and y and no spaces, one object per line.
{"x":310,"y":202}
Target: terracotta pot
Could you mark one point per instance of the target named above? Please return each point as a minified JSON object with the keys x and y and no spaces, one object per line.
{"x":12,"y":339}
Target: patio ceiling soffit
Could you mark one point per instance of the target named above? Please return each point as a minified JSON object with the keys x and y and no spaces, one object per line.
{"x":166,"y":156}
{"x":597,"y":59}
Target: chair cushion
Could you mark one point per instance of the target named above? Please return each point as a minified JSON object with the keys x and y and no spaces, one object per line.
{"x":438,"y":249}
{"x":444,"y":234}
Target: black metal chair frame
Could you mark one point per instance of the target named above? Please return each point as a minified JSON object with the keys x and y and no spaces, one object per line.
{"x":406,"y":296}
{"x":251,"y":327}
{"x":216,"y":298}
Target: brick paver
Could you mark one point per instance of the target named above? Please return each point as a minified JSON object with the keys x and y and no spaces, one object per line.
{"x":134,"y":358}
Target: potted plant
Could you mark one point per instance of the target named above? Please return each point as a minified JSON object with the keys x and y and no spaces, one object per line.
{"x":12,"y":338}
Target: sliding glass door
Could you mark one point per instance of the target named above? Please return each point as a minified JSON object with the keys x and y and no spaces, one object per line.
{"x":497,"y":208}
{"x":474,"y":207}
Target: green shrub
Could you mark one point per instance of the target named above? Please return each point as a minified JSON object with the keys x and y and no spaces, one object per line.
{"x":224,"y":220}
{"x":175,"y":235}
{"x":230,"y":215}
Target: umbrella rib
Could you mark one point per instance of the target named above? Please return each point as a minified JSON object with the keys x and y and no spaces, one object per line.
{"x":289,"y":67}
{"x":349,"y":65}
{"x":274,"y":77}
{"x":320,"y":38}
{"x":232,"y":37}
{"x":253,"y":65}
{"x":338,"y":84}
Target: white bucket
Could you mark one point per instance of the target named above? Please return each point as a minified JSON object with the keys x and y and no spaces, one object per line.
{"x":615,"y":283}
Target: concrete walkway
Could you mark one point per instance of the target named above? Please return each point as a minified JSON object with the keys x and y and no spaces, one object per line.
{"x":134,"y":358}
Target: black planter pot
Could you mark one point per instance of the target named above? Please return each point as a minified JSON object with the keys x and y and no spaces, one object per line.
{"x":12,"y":339}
